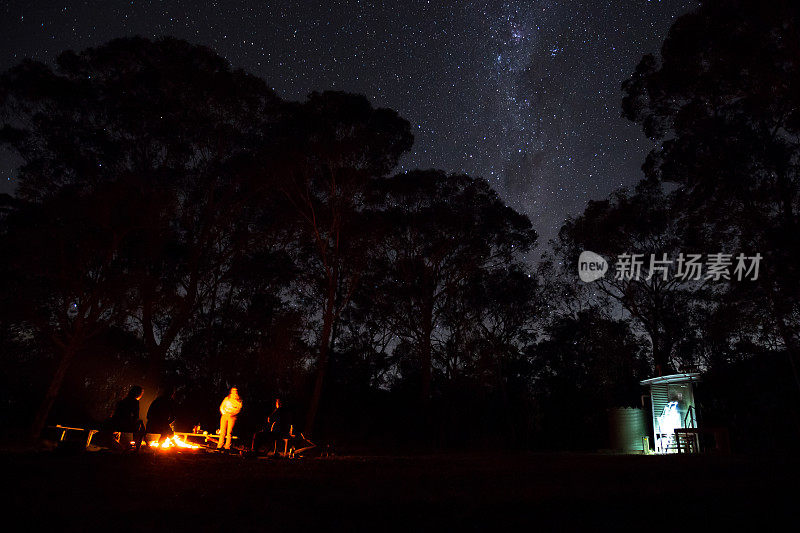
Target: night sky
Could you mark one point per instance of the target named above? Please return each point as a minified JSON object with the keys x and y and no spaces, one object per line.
{"x":523,"y":93}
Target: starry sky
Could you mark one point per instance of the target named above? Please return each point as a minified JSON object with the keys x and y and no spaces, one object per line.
{"x":525,"y":93}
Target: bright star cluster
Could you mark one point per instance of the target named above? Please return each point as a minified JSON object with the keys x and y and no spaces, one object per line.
{"x":525,"y":93}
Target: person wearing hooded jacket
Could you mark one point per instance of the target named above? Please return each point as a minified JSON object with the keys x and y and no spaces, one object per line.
{"x":229,"y":409}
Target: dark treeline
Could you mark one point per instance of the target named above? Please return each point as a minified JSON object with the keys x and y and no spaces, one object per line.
{"x":722,"y":105}
{"x":176,"y":222}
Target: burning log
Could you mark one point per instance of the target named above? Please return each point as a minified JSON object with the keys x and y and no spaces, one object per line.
{"x":174,"y":442}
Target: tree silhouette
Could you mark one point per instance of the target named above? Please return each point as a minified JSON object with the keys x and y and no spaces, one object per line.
{"x":334,"y":144}
{"x":645,"y":222}
{"x":64,"y":273}
{"x":585,"y":363}
{"x":176,"y":210}
{"x":723,"y":103}
{"x":165,"y":122}
{"x":447,"y":234}
{"x":171,"y":122}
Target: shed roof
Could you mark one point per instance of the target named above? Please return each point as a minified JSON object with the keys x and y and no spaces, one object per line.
{"x":681,"y":377}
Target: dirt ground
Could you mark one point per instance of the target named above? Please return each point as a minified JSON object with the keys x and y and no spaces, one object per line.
{"x":172,"y":491}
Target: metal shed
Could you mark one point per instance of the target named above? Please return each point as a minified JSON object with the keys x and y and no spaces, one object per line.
{"x":674,"y":412}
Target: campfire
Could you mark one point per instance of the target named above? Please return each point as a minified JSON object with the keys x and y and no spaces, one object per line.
{"x":172,"y":442}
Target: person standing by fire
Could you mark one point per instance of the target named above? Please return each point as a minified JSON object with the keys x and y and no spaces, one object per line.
{"x":161,"y":415}
{"x":126,"y":418}
{"x":229,"y":409}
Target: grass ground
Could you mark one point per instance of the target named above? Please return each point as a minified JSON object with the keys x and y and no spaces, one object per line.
{"x":475,"y":492}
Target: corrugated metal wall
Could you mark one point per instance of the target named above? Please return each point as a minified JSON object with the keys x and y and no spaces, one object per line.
{"x":659,"y":395}
{"x":626,"y":428}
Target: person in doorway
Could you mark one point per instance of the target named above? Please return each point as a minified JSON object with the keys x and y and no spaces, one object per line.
{"x":229,"y":409}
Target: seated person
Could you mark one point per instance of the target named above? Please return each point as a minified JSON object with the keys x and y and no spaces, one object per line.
{"x":126,"y":418}
{"x":161,"y":415}
{"x":278,"y":427}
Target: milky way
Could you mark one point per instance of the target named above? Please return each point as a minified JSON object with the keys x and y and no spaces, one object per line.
{"x":523,"y":93}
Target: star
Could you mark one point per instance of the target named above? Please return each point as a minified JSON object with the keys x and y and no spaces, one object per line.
{"x":524,"y":93}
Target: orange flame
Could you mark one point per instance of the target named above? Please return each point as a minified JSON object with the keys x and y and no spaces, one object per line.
{"x":174,"y":442}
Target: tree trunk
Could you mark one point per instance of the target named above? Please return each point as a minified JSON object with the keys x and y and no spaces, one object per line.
{"x":156,"y":350}
{"x":779,"y":312}
{"x":660,"y":358}
{"x":322,"y":361}
{"x":152,"y":379}
{"x":42,"y":413}
{"x":792,"y":349}
{"x":425,"y":358}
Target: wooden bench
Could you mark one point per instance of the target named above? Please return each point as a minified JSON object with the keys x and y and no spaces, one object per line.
{"x":65,"y":429}
{"x":90,"y":433}
{"x":207,"y":437}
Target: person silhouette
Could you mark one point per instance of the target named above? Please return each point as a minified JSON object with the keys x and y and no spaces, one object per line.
{"x":278,"y":426}
{"x":161,"y":415}
{"x":229,"y":410}
{"x":126,"y":417}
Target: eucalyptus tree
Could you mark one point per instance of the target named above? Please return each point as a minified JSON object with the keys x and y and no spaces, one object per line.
{"x":446,"y":235}
{"x":722,"y":103}
{"x":173,"y":125}
{"x":653,"y":285}
{"x":333,"y":145}
{"x":64,"y":275}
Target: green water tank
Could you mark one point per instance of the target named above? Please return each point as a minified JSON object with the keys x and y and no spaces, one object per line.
{"x":627,"y":428}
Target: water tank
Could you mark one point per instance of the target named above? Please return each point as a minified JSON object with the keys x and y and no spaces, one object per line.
{"x":626,"y":429}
